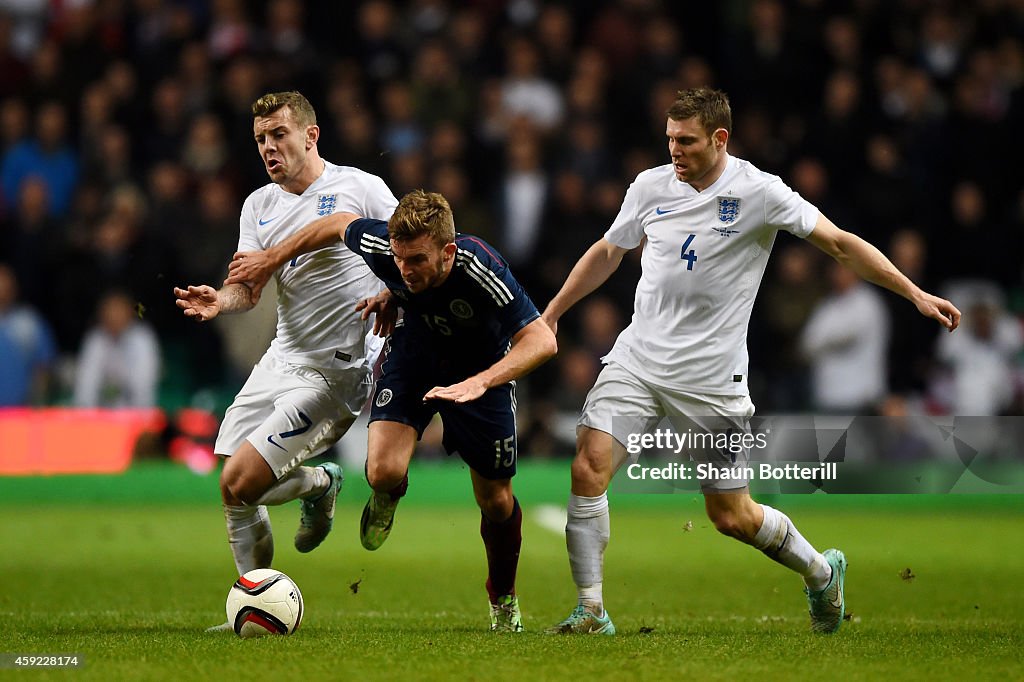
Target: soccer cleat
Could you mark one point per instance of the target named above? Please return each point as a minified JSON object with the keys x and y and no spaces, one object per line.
{"x":223,"y":627}
{"x":583,"y":622}
{"x":505,"y":616}
{"x":318,"y":515}
{"x":378,"y":518}
{"x":827,"y":606}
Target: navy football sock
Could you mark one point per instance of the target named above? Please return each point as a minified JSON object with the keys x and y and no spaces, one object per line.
{"x":502,"y":542}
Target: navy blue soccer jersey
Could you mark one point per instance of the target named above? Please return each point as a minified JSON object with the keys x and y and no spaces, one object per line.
{"x":461,"y":327}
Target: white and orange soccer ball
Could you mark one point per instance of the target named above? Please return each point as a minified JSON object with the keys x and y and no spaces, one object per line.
{"x":264,"y":602}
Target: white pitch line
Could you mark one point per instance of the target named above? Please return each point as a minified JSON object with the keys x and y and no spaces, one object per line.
{"x":550,"y":517}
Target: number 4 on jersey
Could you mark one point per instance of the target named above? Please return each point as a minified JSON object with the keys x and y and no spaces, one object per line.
{"x":690,"y":257}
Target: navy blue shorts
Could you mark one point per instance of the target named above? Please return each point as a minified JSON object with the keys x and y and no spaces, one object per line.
{"x":482,"y":432}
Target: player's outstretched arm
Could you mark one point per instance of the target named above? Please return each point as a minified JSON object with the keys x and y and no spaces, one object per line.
{"x":203,"y":303}
{"x":871,"y":264}
{"x":532,"y":345}
{"x":590,"y":272}
{"x":254,"y":268}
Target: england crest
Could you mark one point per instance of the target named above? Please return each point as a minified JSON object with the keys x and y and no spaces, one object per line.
{"x":728,"y":209}
{"x":326,"y":203}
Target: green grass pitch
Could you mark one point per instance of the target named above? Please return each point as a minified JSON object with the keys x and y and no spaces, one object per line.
{"x":91,"y":566}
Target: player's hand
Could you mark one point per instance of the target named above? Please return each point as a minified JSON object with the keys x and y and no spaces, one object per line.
{"x":939,"y":309}
{"x":200,"y":303}
{"x":386,"y":310}
{"x":251,"y":268}
{"x":462,"y":392}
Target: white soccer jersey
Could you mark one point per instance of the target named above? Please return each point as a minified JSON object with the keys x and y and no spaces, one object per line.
{"x":701,"y":267}
{"x":316,"y":323}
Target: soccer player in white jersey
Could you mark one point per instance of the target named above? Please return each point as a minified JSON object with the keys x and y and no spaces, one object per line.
{"x":709,"y":220}
{"x":310,"y":385}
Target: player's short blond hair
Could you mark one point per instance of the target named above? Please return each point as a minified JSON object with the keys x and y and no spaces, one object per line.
{"x":709,"y":106}
{"x":301,"y":109}
{"x":420,"y":212}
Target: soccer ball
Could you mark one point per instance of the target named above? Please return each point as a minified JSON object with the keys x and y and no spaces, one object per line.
{"x":264,"y":602}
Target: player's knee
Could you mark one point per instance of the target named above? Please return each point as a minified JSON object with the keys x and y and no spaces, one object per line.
{"x":383,"y":475}
{"x":238,"y":488}
{"x":590,"y":474}
{"x":227,"y":484}
{"x":496,"y":504}
{"x":731,"y":523}
{"x":726,"y":523}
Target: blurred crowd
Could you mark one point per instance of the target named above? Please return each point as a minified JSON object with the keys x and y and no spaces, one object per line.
{"x":126,"y":150}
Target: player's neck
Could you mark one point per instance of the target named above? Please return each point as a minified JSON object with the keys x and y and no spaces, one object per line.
{"x":712,"y":176}
{"x":314,"y":168}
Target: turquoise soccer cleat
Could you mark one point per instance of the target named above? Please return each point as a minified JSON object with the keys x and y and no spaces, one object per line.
{"x":827,"y":607}
{"x":318,"y":515}
{"x":583,"y":622}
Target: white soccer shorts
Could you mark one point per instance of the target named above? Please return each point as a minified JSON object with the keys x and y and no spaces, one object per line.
{"x":291,"y":413}
{"x":621,"y":404}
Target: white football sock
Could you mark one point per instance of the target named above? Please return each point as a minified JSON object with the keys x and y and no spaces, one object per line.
{"x":250,"y":537}
{"x":587,"y":530}
{"x":779,"y":539}
{"x":301,"y":482}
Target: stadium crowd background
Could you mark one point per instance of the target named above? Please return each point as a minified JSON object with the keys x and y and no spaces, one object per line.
{"x":126,"y":150}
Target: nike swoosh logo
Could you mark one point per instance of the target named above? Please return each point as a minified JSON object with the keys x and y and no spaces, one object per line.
{"x":837,"y":603}
{"x":306,"y":424}
{"x":660,"y":212}
{"x":264,"y":222}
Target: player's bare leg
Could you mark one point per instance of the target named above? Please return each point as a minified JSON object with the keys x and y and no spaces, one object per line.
{"x":389,"y":451}
{"x":735,"y":514}
{"x":501,"y":528}
{"x":587,"y":529}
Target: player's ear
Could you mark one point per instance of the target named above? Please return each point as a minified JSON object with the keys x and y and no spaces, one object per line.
{"x":720,"y":137}
{"x":312,"y":135}
{"x":449,"y":250}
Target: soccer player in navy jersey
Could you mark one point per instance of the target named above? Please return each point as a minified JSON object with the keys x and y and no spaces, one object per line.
{"x":469,"y":330}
